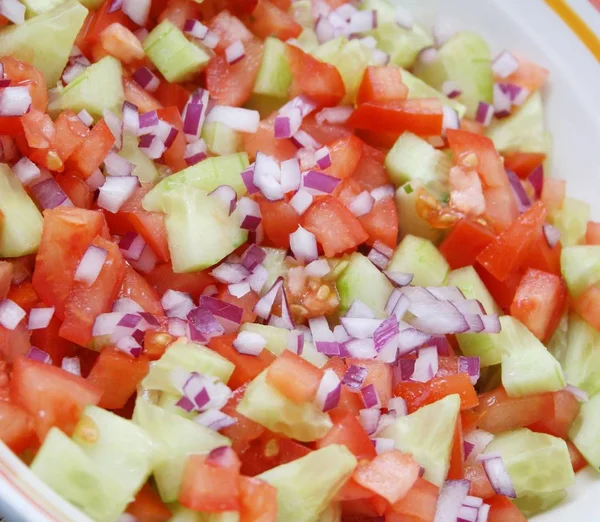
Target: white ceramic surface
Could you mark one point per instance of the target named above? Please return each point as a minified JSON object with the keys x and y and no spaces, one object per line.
{"x":573,"y":115}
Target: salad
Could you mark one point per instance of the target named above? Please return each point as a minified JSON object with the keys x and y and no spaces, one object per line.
{"x":275,"y":261}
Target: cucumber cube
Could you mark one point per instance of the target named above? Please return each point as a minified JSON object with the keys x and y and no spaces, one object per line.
{"x":274,"y":75}
{"x":571,"y":220}
{"x":580,"y":266}
{"x":533,"y":503}
{"x":36,"y":7}
{"x":275,"y":265}
{"x":144,"y":168}
{"x":417,"y":88}
{"x":420,"y":257}
{"x":409,"y":221}
{"x":220,"y":139}
{"x":582,"y":357}
{"x":276,"y":338}
{"x":585,"y":431}
{"x":469,"y":282}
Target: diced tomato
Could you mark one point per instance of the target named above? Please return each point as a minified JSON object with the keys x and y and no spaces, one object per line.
{"x":14,"y":343}
{"x":258,"y":501}
{"x":417,"y":394}
{"x":24,"y":295}
{"x":244,"y":431}
{"x":151,"y":226}
{"x":268,"y":20}
{"x":592,"y":234}
{"x":118,"y":375}
{"x":163,"y":278}
{"x":326,"y":132}
{"x":370,"y":171}
{"x":417,"y":506}
{"x":480,"y":484}
{"x":503,"y":292}
{"x":499,"y":412}
{"x":345,"y":155}
{"x":465,"y":242}
{"x":90,"y":154}
{"x":11,"y":126}
{"x":500,"y":206}
{"x":420,"y":116}
{"x":539,"y":302}
{"x":503,"y":510}
{"x":101,"y":19}
{"x":246,"y":366}
{"x":246,"y":303}
{"x":148,"y":507}
{"x":577,"y":459}
{"x":523,"y":163}
{"x":391,"y":475}
{"x":588,"y":305}
{"x":381,"y":84}
{"x":349,"y":400}
{"x":68,"y":232}
{"x":172,"y":95}
{"x":135,"y":287}
{"x":52,"y":396}
{"x":49,"y":340}
{"x":382,"y":223}
{"x":156,"y":344}
{"x":318,"y":80}
{"x":457,"y":454}
{"x":335,"y":227}
{"x":379,"y":374}
{"x":178,"y":11}
{"x":229,"y":29}
{"x":529,"y":75}
{"x":280,"y":220}
{"x":507,"y":252}
{"x":553,"y":194}
{"x":348,"y":432}
{"x":173,"y":156}
{"x":22,"y":72}
{"x":307,"y":377}
{"x":39,"y":129}
{"x":269,"y":451}
{"x":210,"y":482}
{"x":76,"y":189}
{"x":566,"y":409}
{"x":16,"y":427}
{"x":120,"y":42}
{"x":85,"y":303}
{"x":469,"y":419}
{"x":6,"y":275}
{"x":70,"y":133}
{"x":262,"y":141}
{"x":542,"y":257}
{"x":142,"y":99}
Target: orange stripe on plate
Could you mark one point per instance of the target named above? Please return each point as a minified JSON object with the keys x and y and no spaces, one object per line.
{"x":579,"y":27}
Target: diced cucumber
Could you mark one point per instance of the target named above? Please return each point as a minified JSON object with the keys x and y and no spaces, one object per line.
{"x":571,"y":220}
{"x":409,"y":221}
{"x":523,"y":131}
{"x":312,"y":355}
{"x":362,"y":281}
{"x":189,"y":356}
{"x":264,"y":404}
{"x":534,"y":503}
{"x":274,"y":76}
{"x":402,"y":45}
{"x":92,"y":4}
{"x":350,"y":58}
{"x":420,"y":257}
{"x":558,"y":343}
{"x":265,"y":105}
{"x":181,"y":437}
{"x":274,"y":262}
{"x":122,"y":450}
{"x":173,"y":54}
{"x":427,"y":434}
{"x":465,"y":59}
{"x":276,"y":338}
{"x":46,"y":40}
{"x":308,"y":40}
{"x":98,"y":87}
{"x":307,"y":485}
{"x":65,"y":467}
{"x":486,"y":346}
{"x":332,"y":514}
{"x":144,"y":169}
{"x":527,"y":366}
{"x":206,"y":175}
{"x":183,"y":514}
{"x":536,"y":462}
{"x":200,"y":231}
{"x":585,"y":431}
{"x":21,"y":223}
{"x":417,"y":88}
{"x":412,"y":158}
{"x":580,"y":266}
{"x":36,"y":7}
{"x":582,"y":358}
{"x":301,"y":12}
{"x":220,"y":139}
{"x":469,"y":282}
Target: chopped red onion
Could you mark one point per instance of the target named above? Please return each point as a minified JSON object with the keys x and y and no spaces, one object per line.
{"x":323,"y":158}
{"x":450,"y":118}
{"x":26,"y":170}
{"x":72,"y":71}
{"x":359,"y":349}
{"x":235,"y":52}
{"x":39,"y":355}
{"x":398,"y":406}
{"x":48,"y":194}
{"x":126,"y":306}
{"x":404,"y":18}
{"x":319,"y":182}
{"x":467,"y":514}
{"x":194,"y":114}
{"x":265,"y":304}
{"x":230,"y":273}
{"x":360,"y":310}
{"x":287,"y":123}
{"x":166,"y":133}
{"x":249,"y":343}
{"x":223,"y":310}
{"x":498,"y":476}
{"x":502,"y":102}
{"x":340,"y":334}
{"x":362,"y":204}
{"x":248,"y":179}
{"x":129,"y":345}
{"x":115,"y":6}
{"x":137,"y":10}
{"x":303,"y":140}
{"x":203,"y":325}
{"x":386,"y":333}
{"x":227,"y":195}
{"x":291,"y":176}
{"x":117,"y":166}
{"x":96,"y":180}
{"x":236,"y":118}
{"x":195,"y":28}
{"x":116,"y":191}
{"x":148,"y":121}
{"x":383,"y":192}
{"x":132,"y":245}
{"x":451,"y":89}
{"x":426,"y":365}
{"x":106,"y":324}
{"x":177,"y":327}
{"x":301,"y":201}
{"x":383,"y":445}
{"x":370,"y":396}
{"x":249,"y":212}
{"x":484,"y":114}
{"x":11,"y":314}
{"x":362,"y":21}
{"x":91,"y":264}
{"x":399,"y":278}
{"x":40,"y":318}
{"x":151,"y":145}
{"x":410,"y":338}
{"x":354,"y":377}
{"x":334,"y":115}
{"x":131,"y":118}
{"x":450,"y":500}
{"x":115,"y":126}
{"x":536,"y":178}
{"x":329,"y":391}
{"x":360,"y":328}
{"x":239,"y":289}
{"x":345,"y":11}
{"x":324,"y":30}
{"x":13,"y":10}
{"x":443,"y":30}
{"x":470,"y":366}
{"x":319,"y":329}
{"x":215,"y":419}
{"x":479,"y":441}
{"x":369,"y":419}
{"x":14,"y":101}
{"x":296,"y":342}
{"x":318,"y":268}
{"x":505,"y":64}
{"x":146,"y":262}
{"x":267,"y":176}
{"x":472,"y":501}
{"x":71,"y":365}
{"x":303,"y":103}
{"x":428,"y":55}
{"x":552,"y":235}
{"x":521,"y":197}
{"x":379,"y":57}
{"x":578,"y":393}
{"x":195,"y":152}
{"x":303,"y":244}
{"x":484,"y":512}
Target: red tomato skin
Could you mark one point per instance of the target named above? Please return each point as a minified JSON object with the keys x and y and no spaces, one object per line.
{"x":52,"y":396}
{"x":307,"y":377}
{"x":76,"y":190}
{"x":16,"y":427}
{"x":90,"y":153}
{"x":382,"y":223}
{"x":457,"y":454}
{"x":269,"y":20}
{"x":418,"y":394}
{"x":417,"y":506}
{"x":465,"y":242}
{"x":148,"y":507}
{"x":588,"y":304}
{"x":381,"y":84}
{"x":14,"y":343}
{"x":24,"y":295}
{"x":135,"y":287}
{"x":262,"y":141}
{"x":558,"y":424}
{"x":244,"y":431}
{"x":480,"y":484}
{"x":162,"y":278}
{"x":6,"y":275}
{"x":371,"y":171}
{"x":348,"y":431}
{"x":70,"y":133}
{"x":258,"y":501}
{"x":379,"y":374}
{"x":280,"y":220}
{"x":19,"y":71}
{"x":49,"y":340}
{"x":524,"y":163}
{"x":269,"y":451}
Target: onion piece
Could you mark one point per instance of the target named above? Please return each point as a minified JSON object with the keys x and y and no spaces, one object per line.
{"x":450,"y":119}
{"x":253,"y":256}
{"x":360,"y":328}
{"x":471,"y":366}
{"x":426,"y":365}
{"x":428,"y":55}
{"x":360,"y":310}
{"x":505,"y":64}
{"x":536,"y":178}
{"x":329,"y":391}
{"x":177,"y":327}
{"x":398,"y":406}
{"x":370,"y":396}
{"x":237,"y":119}
{"x":26,"y":171}
{"x":502,"y":102}
{"x":369,"y":419}
{"x":399,"y":278}
{"x":383,"y":445}
{"x":115,"y":126}
{"x":324,"y":30}
{"x":291,"y":177}
{"x":39,"y":355}
{"x":131,"y":118}
{"x":49,"y":195}
{"x":230,"y":273}
{"x":484,"y":114}
{"x":301,"y":201}
{"x":552,"y":235}
{"x":578,"y":393}
{"x":521,"y":197}
{"x":11,"y":314}
{"x":287,"y":123}
{"x":318,"y":268}
{"x":249,"y":343}
{"x":14,"y":101}
{"x":227,"y":195}
{"x":304,"y":140}
{"x":249,"y":212}
{"x":450,"y":500}
{"x":319,"y":182}
{"x":303,"y":244}
{"x":334,"y":115}
{"x":235,"y":52}
{"x":404,"y":18}
{"x":137,"y":10}
{"x":362,"y":204}
{"x":451,"y":89}
{"x":71,"y":365}
{"x":126,"y":306}
{"x":116,"y":191}
{"x":195,"y":152}
{"x":498,"y":476}
{"x":152,"y":146}
{"x":13,"y":10}
{"x":117,"y":166}
{"x":146,"y":262}
{"x":203,"y":325}
{"x":40,"y":318}
{"x":265,"y":304}
{"x":91,"y":264}
{"x":132,"y":245}
{"x":443,"y":29}
{"x":479,"y":441}
{"x":362,"y":21}
{"x":323,"y":158}
{"x":195,"y":28}
{"x":215,"y":419}
{"x":354,"y":377}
